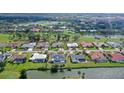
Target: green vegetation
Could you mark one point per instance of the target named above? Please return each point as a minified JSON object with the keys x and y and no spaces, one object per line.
{"x":4,"y":37}
{"x":14,"y":70}
{"x":9,"y":75}
{"x":92,"y":64}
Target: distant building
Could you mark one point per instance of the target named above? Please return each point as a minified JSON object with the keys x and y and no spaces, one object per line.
{"x":43,"y":45}
{"x":72,"y":45}
{"x":101,"y":44}
{"x":57,"y":45}
{"x":35,"y":29}
{"x":86,"y":44}
{"x":29,"y":45}
{"x":4,"y":45}
{"x":58,"y":30}
{"x":114,"y":44}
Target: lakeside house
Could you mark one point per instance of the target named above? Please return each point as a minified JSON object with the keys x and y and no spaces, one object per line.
{"x":38,"y":57}
{"x":98,"y":57}
{"x":19,"y":58}
{"x":43,"y":45}
{"x":117,"y":57}
{"x":87,"y":44}
{"x":57,"y":58}
{"x":72,"y":45}
{"x":77,"y":58}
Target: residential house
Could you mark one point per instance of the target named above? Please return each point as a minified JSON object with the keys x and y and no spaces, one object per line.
{"x":101,"y":44}
{"x":57,"y":58}
{"x":29,"y":45}
{"x":86,"y":44}
{"x":34,"y":29}
{"x":43,"y":45}
{"x":15,"y":45}
{"x":4,"y":45}
{"x":97,"y":37}
{"x":72,"y":45}
{"x":19,"y":58}
{"x":57,"y":45}
{"x":58,"y":30}
{"x":7,"y":54}
{"x":117,"y":57}
{"x":38,"y":57}
{"x":77,"y":58}
{"x":114,"y":44}
{"x":98,"y":57}
{"x":2,"y":57}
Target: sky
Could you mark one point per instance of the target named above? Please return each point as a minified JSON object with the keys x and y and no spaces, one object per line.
{"x":61,"y":6}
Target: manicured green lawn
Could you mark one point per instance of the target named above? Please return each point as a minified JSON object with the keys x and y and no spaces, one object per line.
{"x":9,"y":75}
{"x":26,"y":66}
{"x":4,"y":37}
{"x":92,"y":48}
{"x":13,"y":70}
{"x":86,"y":39}
{"x":108,"y":48}
{"x":92,"y":64}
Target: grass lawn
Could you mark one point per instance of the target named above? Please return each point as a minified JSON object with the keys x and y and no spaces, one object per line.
{"x":4,"y":37}
{"x":108,"y":48}
{"x":12,"y":71}
{"x":92,"y":64}
{"x":26,"y":66}
{"x":9,"y":75}
{"x":69,"y":64}
{"x":92,"y":48}
{"x":86,"y":39}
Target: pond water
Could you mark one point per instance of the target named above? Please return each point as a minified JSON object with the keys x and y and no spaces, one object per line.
{"x":90,"y":73}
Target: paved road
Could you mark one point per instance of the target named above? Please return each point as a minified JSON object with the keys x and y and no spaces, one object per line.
{"x":65,"y":51}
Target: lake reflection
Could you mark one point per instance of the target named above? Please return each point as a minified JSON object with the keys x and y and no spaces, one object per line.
{"x":90,"y":73}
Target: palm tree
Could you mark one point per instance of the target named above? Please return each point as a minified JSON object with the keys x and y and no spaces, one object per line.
{"x":76,"y":37}
{"x":45,"y":36}
{"x":79,"y":73}
{"x":37,"y":37}
{"x":83,"y":75}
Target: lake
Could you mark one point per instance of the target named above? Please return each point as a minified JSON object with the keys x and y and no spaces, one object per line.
{"x":90,"y":73}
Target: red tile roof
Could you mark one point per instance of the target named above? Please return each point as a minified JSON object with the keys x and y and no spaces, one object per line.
{"x":86,"y":44}
{"x":117,"y":56}
{"x":96,"y":55}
